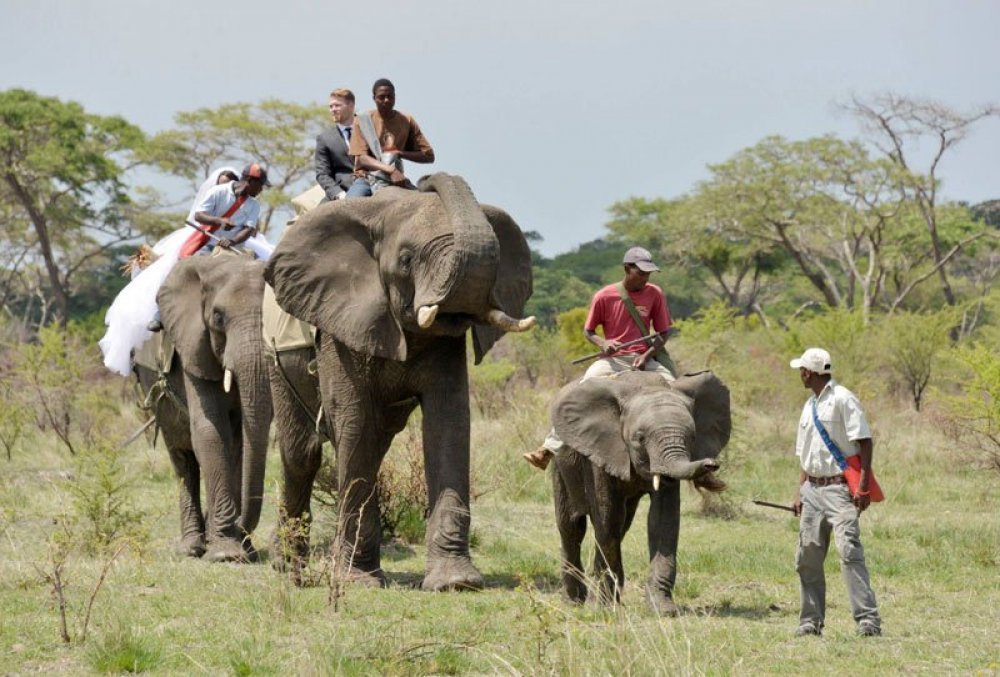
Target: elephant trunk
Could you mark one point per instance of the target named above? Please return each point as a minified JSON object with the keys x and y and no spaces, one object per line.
{"x":250,"y":368}
{"x":466,"y":283}
{"x":670,"y":456}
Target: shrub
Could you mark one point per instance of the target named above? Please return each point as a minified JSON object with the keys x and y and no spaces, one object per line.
{"x":975,"y":413}
{"x":912,"y":344}
{"x":402,"y":490}
{"x":104,"y":512}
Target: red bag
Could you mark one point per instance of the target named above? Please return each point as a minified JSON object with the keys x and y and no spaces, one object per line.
{"x":198,"y":238}
{"x":852,"y":473}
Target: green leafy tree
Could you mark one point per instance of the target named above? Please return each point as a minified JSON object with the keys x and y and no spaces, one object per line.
{"x":62,"y":190}
{"x":913,"y":343}
{"x":278,"y":134}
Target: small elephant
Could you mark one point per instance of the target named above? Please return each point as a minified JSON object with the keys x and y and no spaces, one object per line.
{"x":394,"y":284}
{"x":626,"y":436}
{"x":214,"y":403}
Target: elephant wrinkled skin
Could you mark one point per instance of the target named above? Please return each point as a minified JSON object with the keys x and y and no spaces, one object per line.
{"x":210,"y":308}
{"x":627,"y":436}
{"x":393,"y":283}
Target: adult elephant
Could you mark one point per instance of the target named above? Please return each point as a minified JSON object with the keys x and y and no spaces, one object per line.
{"x":212,"y":401}
{"x":392,"y":284}
{"x":627,"y":436}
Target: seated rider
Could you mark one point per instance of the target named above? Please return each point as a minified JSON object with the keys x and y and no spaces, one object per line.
{"x":230,"y":211}
{"x":381,"y":140}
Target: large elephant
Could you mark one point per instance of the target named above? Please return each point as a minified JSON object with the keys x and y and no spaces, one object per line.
{"x":626,"y":436}
{"x":213,"y":404}
{"x":392,"y":284}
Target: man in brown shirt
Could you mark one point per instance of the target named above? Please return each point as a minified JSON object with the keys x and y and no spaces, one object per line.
{"x":399,"y":138}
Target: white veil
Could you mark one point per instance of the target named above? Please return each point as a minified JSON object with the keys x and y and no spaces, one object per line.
{"x":135,"y":305}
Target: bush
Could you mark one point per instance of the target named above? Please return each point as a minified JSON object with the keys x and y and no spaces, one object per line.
{"x":912,"y":343}
{"x":975,"y":413}
{"x":402,"y":490}
{"x":104,"y":512}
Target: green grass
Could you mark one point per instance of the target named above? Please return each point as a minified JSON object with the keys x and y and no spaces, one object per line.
{"x":933,"y":549}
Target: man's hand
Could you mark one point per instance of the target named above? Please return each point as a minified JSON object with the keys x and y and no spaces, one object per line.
{"x":610,"y":347}
{"x":226,"y":224}
{"x":397,"y":178}
{"x":797,"y":503}
{"x":225,"y":243}
{"x":862,"y":501}
{"x":639,"y":363}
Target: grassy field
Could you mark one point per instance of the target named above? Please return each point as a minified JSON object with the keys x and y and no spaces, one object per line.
{"x":933,"y":548}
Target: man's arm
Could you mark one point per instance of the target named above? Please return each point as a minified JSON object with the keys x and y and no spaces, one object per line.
{"x":657,"y":342}
{"x":418,"y":148}
{"x":797,"y":500}
{"x":865,"y":448}
{"x":324,"y":169}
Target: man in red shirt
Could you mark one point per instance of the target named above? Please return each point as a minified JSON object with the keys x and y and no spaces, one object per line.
{"x":609,"y":311}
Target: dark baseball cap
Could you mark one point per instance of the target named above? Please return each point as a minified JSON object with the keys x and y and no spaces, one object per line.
{"x":255,"y":171}
{"x":641,"y":259}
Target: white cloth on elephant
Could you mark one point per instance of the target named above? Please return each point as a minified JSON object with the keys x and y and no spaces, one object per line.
{"x":135,"y":306}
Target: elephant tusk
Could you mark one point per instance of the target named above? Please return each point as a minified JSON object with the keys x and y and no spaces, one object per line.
{"x":227,"y":380}
{"x":426,"y":315}
{"x":502,"y":320}
{"x":656,"y":482}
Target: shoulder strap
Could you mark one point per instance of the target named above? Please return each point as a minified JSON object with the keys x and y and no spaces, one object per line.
{"x":235,"y":206}
{"x":630,"y":307}
{"x":368,"y":131}
{"x":831,"y":446}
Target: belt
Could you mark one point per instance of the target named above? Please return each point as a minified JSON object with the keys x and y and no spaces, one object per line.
{"x":826,"y":481}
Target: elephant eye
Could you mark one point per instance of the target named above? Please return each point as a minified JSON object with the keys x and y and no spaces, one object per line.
{"x":405,"y":259}
{"x":217,"y":318}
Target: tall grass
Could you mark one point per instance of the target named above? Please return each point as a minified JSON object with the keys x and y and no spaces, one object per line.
{"x":933,"y":549}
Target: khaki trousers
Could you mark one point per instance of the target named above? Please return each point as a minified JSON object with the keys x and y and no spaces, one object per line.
{"x":825,"y":511}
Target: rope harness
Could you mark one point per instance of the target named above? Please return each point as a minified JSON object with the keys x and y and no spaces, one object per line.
{"x":317,"y":416}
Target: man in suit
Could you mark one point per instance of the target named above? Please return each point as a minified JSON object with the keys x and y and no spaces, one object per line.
{"x":334,"y":167}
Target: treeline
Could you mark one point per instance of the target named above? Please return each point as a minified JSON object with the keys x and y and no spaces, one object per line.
{"x":785,"y":227}
{"x":779,"y":229}
{"x":75,"y":199}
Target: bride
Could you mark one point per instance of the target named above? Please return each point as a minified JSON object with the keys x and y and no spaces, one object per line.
{"x":135,"y":306}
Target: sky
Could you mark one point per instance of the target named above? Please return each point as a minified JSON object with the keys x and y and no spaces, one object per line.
{"x":552,"y":110}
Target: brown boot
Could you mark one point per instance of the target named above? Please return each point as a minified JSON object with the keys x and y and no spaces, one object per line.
{"x":709,"y":482}
{"x":539,"y":458}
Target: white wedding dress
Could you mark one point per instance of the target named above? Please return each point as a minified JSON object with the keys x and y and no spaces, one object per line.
{"x":135,"y":306}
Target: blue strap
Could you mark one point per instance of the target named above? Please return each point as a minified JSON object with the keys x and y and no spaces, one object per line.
{"x":825,"y":436}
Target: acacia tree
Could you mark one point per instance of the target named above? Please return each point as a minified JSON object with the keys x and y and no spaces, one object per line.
{"x":897,"y":124}
{"x":687,"y":233}
{"x":62,"y":188}
{"x":278,"y":134}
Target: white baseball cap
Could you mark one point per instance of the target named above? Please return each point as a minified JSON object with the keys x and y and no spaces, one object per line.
{"x":814,"y":359}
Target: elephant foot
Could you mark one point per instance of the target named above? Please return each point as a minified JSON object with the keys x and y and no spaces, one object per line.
{"x":575,"y":588}
{"x":364,"y":579}
{"x":227,"y":550}
{"x":191,"y":546}
{"x":661,"y":603}
{"x":452,"y":573}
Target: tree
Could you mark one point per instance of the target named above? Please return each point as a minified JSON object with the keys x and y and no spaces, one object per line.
{"x":277,"y":134}
{"x":687,"y":232}
{"x":62,"y":190}
{"x":897,"y":124}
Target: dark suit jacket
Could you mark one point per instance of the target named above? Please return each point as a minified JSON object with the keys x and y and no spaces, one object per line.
{"x":334,"y":167}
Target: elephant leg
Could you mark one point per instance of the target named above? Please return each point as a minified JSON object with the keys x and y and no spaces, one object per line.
{"x":663,"y":529}
{"x":301,"y":455}
{"x":192,"y":520}
{"x":608,"y":513}
{"x":572,"y":529}
{"x":445,"y":405}
{"x":212,"y":439}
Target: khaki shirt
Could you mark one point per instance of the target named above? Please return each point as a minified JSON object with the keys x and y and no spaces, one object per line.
{"x":840,"y":413}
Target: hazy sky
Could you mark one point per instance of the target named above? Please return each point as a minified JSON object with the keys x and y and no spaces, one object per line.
{"x":552,"y":110}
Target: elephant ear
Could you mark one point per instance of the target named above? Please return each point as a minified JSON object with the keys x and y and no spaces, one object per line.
{"x":182,"y":300}
{"x":513,"y":286}
{"x":324,"y":271}
{"x":712,"y":414}
{"x":587,"y":417}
